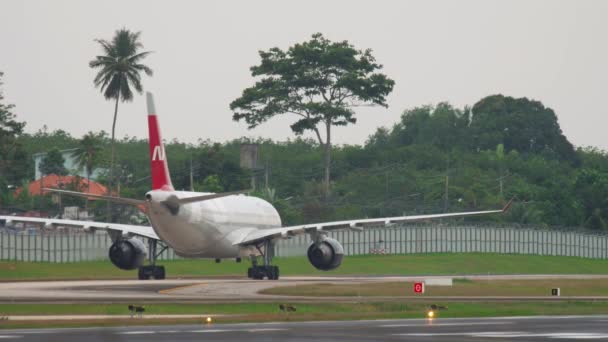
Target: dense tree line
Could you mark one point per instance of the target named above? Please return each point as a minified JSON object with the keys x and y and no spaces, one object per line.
{"x":436,"y":158}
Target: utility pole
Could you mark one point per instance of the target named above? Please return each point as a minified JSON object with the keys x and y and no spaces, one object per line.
{"x":447,"y":185}
{"x":191,"y":176}
{"x":385,"y":191}
{"x":266,"y":172}
{"x":501,"y":187}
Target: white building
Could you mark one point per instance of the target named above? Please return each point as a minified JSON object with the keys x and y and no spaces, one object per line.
{"x":70,"y":165}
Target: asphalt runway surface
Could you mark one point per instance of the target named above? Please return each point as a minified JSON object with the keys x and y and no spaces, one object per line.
{"x":568,"y":328}
{"x":227,"y":290}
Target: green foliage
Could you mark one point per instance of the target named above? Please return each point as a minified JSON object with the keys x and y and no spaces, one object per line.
{"x":289,"y":214}
{"x":212,"y":184}
{"x":53,"y":163}
{"x":521,"y":124}
{"x":120,"y":65}
{"x":400,"y":170}
{"x":592,"y":191}
{"x":88,"y":154}
{"x":442,"y":126}
{"x":319,"y":81}
{"x":24,"y":199}
{"x":12,"y":157}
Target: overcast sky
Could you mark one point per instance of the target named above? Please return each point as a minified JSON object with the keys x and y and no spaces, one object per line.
{"x":456,"y":51}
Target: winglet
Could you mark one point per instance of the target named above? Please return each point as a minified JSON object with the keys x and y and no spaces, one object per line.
{"x":508,"y":205}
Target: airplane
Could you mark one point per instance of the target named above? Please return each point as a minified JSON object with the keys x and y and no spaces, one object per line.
{"x":212,"y":225}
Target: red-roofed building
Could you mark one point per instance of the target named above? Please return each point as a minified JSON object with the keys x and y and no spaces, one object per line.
{"x":64,"y":182}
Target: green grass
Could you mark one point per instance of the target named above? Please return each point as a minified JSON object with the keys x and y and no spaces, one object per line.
{"x":254,"y":312}
{"x":412,"y":264}
{"x":406,"y":310}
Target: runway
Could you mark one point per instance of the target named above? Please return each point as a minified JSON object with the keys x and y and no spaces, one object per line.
{"x":228,"y":290}
{"x":472,"y":329}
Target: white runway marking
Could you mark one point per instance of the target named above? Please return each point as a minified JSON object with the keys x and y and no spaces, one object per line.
{"x":266,"y":329}
{"x":515,"y":334}
{"x":437,"y":324}
{"x":136,"y":332}
{"x":237,"y":330}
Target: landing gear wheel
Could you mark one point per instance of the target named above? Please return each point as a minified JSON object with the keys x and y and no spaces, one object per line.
{"x":159,"y":272}
{"x":152,"y":270}
{"x":261,"y":272}
{"x":275,"y":272}
{"x":266,"y":270}
{"x":142,"y":274}
{"x":147,"y":272}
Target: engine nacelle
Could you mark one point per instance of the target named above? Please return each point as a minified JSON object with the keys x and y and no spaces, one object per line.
{"x":326,"y":255}
{"x":128,"y":254}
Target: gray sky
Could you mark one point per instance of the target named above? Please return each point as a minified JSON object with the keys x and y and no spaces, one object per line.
{"x":456,"y":51}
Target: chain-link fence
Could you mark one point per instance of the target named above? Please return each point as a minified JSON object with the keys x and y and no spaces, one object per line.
{"x":460,"y":239}
{"x":34,"y":245}
{"x":30,"y":245}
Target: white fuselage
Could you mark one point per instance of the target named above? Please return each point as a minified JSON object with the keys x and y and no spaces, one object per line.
{"x":210,"y":228}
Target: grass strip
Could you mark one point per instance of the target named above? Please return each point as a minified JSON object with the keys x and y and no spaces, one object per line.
{"x":410,"y":264}
{"x":461,"y":287}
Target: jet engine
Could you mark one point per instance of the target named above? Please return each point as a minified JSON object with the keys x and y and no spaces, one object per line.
{"x":128,"y":254}
{"x":326,"y":255}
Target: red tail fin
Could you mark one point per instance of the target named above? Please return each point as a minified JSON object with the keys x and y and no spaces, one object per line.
{"x":161,"y":179}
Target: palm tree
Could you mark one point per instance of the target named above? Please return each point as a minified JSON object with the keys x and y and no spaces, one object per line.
{"x":120,"y":68}
{"x":86,"y":156}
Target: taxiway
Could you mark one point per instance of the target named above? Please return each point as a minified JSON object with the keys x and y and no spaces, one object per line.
{"x":230,"y":290}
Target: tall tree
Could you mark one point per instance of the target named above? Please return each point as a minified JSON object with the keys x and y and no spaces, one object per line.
{"x":520,"y":124}
{"x":87,"y":156}
{"x":320,"y":81}
{"x":119,"y":71}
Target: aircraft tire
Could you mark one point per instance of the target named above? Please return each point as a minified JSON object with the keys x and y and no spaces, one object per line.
{"x":159,"y":272}
{"x":142,"y":274}
{"x":275,"y":272}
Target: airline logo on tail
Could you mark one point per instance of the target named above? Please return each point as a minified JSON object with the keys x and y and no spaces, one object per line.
{"x":161,"y":180}
{"x":158,"y":153}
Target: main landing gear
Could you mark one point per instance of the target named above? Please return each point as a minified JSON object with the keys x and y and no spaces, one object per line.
{"x":152,"y":270}
{"x":266,"y":270}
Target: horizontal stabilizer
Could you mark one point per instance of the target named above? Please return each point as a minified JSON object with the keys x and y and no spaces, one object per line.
{"x":173,"y":203}
{"x":209,"y":197}
{"x":121,"y":200}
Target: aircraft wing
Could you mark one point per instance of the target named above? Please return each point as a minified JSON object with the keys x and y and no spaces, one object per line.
{"x":124,"y":229}
{"x":260,"y":235}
